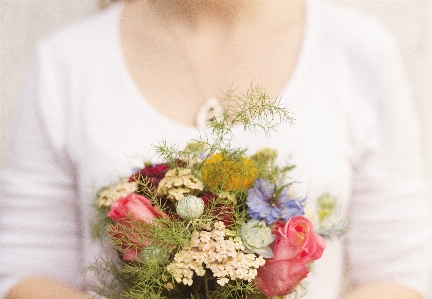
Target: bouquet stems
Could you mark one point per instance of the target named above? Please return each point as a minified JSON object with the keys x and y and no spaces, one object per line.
{"x":206,"y":287}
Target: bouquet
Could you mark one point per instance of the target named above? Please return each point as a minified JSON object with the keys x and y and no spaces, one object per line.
{"x":209,"y":220}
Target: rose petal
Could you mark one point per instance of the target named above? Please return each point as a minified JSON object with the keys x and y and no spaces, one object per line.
{"x":131,"y":254}
{"x":313,"y":250}
{"x":127,"y":212}
{"x":279,"y":278}
{"x":283,"y":248}
{"x":298,"y":239}
{"x":134,"y":205}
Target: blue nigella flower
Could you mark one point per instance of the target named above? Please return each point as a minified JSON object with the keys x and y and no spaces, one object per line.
{"x":262,"y":205}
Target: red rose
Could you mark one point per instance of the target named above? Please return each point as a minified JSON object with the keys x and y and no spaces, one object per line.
{"x":150,"y":175}
{"x":223,"y":210}
{"x":296,"y":245}
{"x":131,"y":213}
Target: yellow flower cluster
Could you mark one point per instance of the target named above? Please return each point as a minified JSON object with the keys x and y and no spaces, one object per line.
{"x":109,"y":195}
{"x":178,"y":183}
{"x":229,"y":174}
{"x":216,"y":251}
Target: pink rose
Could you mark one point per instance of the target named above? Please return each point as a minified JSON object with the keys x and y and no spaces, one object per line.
{"x":134,"y":205}
{"x":135,"y":242}
{"x":131,"y":213}
{"x":296,"y":245}
{"x":280,"y":277}
{"x":297,"y":239}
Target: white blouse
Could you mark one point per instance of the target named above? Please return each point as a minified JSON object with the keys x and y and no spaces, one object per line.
{"x":82,"y":123}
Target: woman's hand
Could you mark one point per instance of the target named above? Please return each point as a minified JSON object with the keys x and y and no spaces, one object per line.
{"x":382,"y":290}
{"x":44,"y":288}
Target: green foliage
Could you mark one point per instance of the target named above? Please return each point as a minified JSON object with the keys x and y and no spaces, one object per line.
{"x":173,"y":234}
{"x":169,"y":153}
{"x":268,"y":169}
{"x":149,"y":278}
{"x":236,"y":289}
{"x":254,"y":111}
{"x":100,"y":223}
{"x":112,"y":281}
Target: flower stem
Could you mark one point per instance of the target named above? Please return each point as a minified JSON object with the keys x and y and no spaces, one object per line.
{"x":206,"y":287}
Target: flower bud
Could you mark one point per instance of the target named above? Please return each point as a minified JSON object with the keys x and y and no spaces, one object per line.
{"x":326,"y":205}
{"x":190,"y":207}
{"x":265,"y":155}
{"x":257,"y":237}
{"x":154,"y":253}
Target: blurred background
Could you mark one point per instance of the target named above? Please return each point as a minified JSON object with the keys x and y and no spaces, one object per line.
{"x":24,"y":22}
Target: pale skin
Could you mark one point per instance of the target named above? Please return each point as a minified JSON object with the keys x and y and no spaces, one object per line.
{"x":199,"y":48}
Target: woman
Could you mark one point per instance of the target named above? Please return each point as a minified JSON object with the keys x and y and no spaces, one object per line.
{"x":102,"y":91}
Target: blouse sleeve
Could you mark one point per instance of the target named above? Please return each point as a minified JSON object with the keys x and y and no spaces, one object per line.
{"x":390,"y":227}
{"x":39,"y":231}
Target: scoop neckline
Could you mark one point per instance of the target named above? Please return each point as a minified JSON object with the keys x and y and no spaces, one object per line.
{"x":134,"y":94}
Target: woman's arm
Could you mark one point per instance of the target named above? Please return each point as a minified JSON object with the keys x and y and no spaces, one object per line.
{"x":383,"y":290}
{"x":388,"y":241}
{"x":44,"y":288}
{"x":40,"y":228}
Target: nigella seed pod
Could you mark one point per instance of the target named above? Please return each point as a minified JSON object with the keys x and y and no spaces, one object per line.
{"x":257,"y":237}
{"x":190,"y":207}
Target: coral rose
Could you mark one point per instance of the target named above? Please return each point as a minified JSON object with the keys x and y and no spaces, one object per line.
{"x":280,"y":277}
{"x":298,"y":239}
{"x":134,"y":215}
{"x":296,"y":246}
{"x":134,"y":205}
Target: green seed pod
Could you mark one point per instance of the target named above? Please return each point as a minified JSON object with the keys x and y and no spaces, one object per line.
{"x":190,"y":207}
{"x":257,"y":237}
